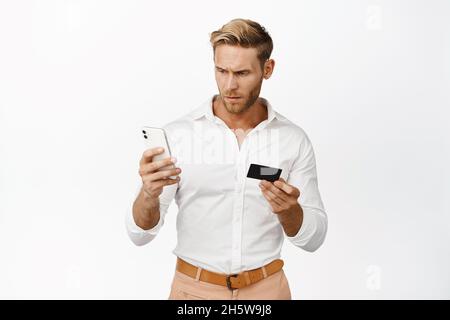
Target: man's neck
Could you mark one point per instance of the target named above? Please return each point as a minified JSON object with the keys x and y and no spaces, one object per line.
{"x":248,"y":119}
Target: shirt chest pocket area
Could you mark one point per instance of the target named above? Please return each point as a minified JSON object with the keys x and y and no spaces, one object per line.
{"x":207,"y":178}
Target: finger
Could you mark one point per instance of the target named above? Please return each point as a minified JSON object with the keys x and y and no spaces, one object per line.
{"x":148,"y":154}
{"x":289,"y":189}
{"x":155,"y":166}
{"x":148,"y":179}
{"x":275,"y":190}
{"x":164,"y":162}
{"x":274,"y":205}
{"x":162,"y":183}
{"x":165,"y":182}
{"x":271,"y":196}
{"x":163,"y":174}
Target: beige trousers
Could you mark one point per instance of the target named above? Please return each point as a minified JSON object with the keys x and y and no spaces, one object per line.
{"x":274,"y":287}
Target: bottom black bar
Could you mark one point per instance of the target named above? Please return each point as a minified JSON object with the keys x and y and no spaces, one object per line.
{"x":215,"y":309}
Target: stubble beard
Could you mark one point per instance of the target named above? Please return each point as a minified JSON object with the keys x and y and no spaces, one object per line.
{"x":237,"y":108}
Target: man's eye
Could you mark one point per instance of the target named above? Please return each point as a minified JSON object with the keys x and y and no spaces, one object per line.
{"x":243,"y":73}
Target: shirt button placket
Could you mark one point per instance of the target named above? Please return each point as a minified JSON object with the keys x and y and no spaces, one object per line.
{"x":238,"y":212}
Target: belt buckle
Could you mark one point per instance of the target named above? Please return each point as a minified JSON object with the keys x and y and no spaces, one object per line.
{"x":229,"y":281}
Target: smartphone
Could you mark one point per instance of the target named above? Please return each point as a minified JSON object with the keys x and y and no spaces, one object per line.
{"x":154,"y":138}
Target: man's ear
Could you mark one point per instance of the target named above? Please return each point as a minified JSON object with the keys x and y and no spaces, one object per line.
{"x":269,"y":65}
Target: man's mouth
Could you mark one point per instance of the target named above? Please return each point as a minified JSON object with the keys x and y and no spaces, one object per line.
{"x":232,"y":98}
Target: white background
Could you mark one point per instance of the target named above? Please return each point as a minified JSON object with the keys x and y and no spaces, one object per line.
{"x":367,"y":80}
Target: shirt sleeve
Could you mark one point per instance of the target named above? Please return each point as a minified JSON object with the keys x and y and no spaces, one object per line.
{"x":140,"y":236}
{"x":303,"y":175}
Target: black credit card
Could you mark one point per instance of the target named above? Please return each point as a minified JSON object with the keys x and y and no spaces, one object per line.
{"x":257,"y":171}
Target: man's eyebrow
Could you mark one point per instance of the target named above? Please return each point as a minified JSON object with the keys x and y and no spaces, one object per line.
{"x":242,"y":70}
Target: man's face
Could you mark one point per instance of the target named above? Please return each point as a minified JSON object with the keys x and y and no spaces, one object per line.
{"x":238,"y":74}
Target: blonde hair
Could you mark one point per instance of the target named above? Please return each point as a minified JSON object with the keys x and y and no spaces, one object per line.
{"x":244,"y":33}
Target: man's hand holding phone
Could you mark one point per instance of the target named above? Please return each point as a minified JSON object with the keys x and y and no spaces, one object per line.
{"x":155,"y":174}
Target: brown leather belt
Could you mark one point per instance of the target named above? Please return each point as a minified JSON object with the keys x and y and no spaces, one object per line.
{"x":233,"y":281}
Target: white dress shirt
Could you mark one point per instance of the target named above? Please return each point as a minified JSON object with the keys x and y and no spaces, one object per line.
{"x":224,"y":223}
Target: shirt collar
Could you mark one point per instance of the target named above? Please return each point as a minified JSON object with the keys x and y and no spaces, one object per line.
{"x":206,"y":110}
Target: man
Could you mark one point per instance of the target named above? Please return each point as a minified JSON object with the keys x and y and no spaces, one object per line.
{"x":231,"y":227}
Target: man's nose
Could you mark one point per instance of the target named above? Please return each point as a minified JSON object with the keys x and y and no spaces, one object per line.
{"x":231,"y":83}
